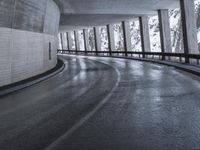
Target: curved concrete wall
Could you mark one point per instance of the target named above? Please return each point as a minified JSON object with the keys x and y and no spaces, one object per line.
{"x":26,"y":29}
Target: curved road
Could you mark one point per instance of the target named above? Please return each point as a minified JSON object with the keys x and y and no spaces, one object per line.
{"x":104,"y":104}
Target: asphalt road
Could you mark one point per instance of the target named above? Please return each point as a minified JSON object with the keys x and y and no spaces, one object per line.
{"x":104,"y":104}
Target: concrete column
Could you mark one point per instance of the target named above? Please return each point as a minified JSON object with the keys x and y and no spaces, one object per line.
{"x":127,"y":36}
{"x":61,"y":40}
{"x":70,"y":42}
{"x":67,"y":34}
{"x":189,"y":28}
{"x":86,"y":39}
{"x":165,"y":36}
{"x":74,"y":33}
{"x":111,"y":38}
{"x":144,"y":31}
{"x":77,"y":40}
{"x":97,"y":39}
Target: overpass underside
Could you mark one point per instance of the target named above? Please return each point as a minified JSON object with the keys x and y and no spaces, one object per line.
{"x":165,"y":30}
{"x":98,"y":96}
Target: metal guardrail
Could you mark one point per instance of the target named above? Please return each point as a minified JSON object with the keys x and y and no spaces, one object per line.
{"x":159,"y":55}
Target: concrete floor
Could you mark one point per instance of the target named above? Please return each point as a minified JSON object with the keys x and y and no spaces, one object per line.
{"x":104,"y":104}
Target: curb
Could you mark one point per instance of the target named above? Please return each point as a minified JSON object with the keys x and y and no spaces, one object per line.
{"x":5,"y":90}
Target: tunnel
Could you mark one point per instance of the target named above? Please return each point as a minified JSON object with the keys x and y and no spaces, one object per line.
{"x":99,"y":74}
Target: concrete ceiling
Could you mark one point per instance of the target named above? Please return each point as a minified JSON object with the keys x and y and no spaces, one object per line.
{"x":83,"y":13}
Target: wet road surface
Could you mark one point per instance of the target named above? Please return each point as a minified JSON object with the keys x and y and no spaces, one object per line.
{"x":104,"y":104}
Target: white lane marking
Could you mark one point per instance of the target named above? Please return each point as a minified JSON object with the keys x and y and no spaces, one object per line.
{"x":86,"y":118}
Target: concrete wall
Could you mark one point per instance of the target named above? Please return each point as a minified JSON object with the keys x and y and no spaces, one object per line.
{"x":26,"y":29}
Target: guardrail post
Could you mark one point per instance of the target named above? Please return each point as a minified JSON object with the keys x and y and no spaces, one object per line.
{"x":165,"y":36}
{"x":111,"y":38}
{"x":144,"y":31}
{"x":127,"y":36}
{"x":189,"y":28}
